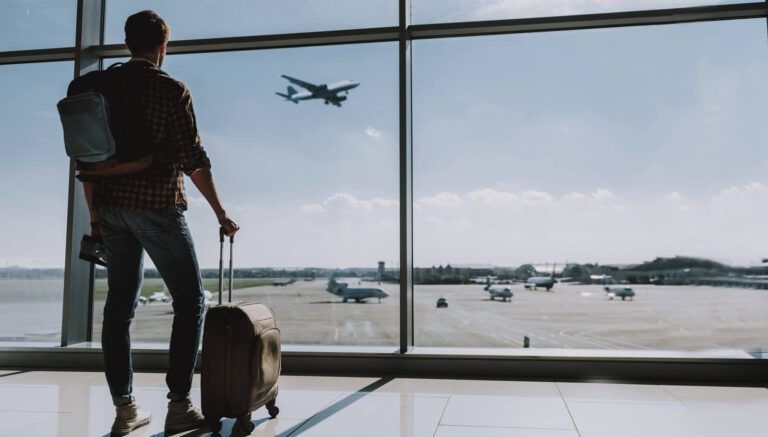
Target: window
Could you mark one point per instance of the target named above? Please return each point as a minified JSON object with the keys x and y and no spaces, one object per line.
{"x":313,"y":187}
{"x":620,"y":158}
{"x":33,"y":174}
{"x":35,"y":24}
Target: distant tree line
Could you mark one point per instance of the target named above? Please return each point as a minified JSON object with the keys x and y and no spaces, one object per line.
{"x":679,"y":270}
{"x":15,"y":272}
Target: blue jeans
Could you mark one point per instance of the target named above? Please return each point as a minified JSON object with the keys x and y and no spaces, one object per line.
{"x":165,"y":236}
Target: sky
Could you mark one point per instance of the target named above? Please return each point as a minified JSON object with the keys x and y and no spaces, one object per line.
{"x":609,"y":146}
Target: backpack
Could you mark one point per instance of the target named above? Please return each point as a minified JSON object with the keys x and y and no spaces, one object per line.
{"x":105,"y":129}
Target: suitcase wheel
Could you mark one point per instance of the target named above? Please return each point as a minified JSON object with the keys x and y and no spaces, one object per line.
{"x":246,"y":424}
{"x":214,"y":425}
{"x":273,"y":411}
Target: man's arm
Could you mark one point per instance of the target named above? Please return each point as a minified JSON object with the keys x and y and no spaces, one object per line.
{"x":203,"y":180}
{"x":193,"y":159}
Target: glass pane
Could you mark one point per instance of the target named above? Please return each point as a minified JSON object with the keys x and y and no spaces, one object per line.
{"x":211,"y":19}
{"x":434,"y":11}
{"x":33,"y":174}
{"x":622,"y":158}
{"x":313,"y":186}
{"x":37,"y":24}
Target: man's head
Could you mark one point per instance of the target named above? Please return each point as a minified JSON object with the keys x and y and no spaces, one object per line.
{"x":146,"y":35}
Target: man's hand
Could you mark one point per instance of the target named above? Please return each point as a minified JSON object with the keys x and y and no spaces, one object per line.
{"x":229,"y":226}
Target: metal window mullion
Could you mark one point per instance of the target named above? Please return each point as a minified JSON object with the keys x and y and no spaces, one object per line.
{"x":39,"y":55}
{"x":77,"y":310}
{"x":406,"y":181}
{"x":260,"y":42}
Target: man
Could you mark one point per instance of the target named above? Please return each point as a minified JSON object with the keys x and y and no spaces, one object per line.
{"x":144,"y":211}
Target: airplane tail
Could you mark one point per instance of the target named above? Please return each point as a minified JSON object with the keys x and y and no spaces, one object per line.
{"x":333,"y":286}
{"x":291,"y":91}
{"x":289,"y":97}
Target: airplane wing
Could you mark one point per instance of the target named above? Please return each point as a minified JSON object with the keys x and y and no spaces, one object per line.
{"x":301,"y":83}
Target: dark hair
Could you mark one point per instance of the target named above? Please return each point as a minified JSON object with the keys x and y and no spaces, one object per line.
{"x":145,"y":31}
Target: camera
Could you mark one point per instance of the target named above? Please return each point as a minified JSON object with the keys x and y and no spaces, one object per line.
{"x":92,"y":250}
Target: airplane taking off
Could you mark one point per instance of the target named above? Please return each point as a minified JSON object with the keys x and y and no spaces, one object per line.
{"x":502,"y":291}
{"x":328,"y":92}
{"x":342,"y":290}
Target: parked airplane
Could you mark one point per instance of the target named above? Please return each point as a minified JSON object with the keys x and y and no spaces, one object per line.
{"x":620,"y":291}
{"x":283,"y":282}
{"x":158,"y":296}
{"x":328,"y":92}
{"x":502,"y":291}
{"x":342,"y":290}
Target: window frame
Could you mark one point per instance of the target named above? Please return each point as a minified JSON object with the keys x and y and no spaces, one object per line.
{"x":78,"y":351}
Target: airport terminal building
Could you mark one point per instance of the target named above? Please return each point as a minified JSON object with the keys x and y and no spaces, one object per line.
{"x":494,"y":218}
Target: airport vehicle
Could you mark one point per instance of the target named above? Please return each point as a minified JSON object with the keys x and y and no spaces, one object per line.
{"x":620,"y":291}
{"x":329,"y":93}
{"x":283,"y":282}
{"x":142,"y":300}
{"x":441,"y":303}
{"x":159,"y":296}
{"x":502,"y":291}
{"x":342,"y":290}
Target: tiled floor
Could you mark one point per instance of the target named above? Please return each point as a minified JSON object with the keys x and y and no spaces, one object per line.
{"x":67,"y":404}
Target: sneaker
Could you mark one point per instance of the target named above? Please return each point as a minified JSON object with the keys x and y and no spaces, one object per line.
{"x":183,"y":416}
{"x":128,"y":418}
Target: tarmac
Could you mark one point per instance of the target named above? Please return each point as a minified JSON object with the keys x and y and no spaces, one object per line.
{"x":673,"y":318}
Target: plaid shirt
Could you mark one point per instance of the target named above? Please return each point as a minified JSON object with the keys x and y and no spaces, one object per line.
{"x":169,"y":114}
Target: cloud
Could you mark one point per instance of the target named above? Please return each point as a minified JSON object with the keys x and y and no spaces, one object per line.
{"x":574,"y":196}
{"x":507,"y":227}
{"x":602,"y":194}
{"x":448,"y":200}
{"x":489,"y":196}
{"x":373,"y":132}
{"x":673,"y":197}
{"x":313,"y":208}
{"x":515,"y":227}
{"x":345,"y":201}
{"x":535,"y":198}
{"x":749,"y":190}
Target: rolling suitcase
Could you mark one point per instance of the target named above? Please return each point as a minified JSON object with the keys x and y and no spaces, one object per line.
{"x":241,"y":357}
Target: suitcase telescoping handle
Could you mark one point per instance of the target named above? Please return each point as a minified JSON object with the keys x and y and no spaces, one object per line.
{"x":221,"y":264}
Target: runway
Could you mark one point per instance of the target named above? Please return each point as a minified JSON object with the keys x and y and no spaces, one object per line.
{"x":661,"y":318}
{"x":570,"y":317}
